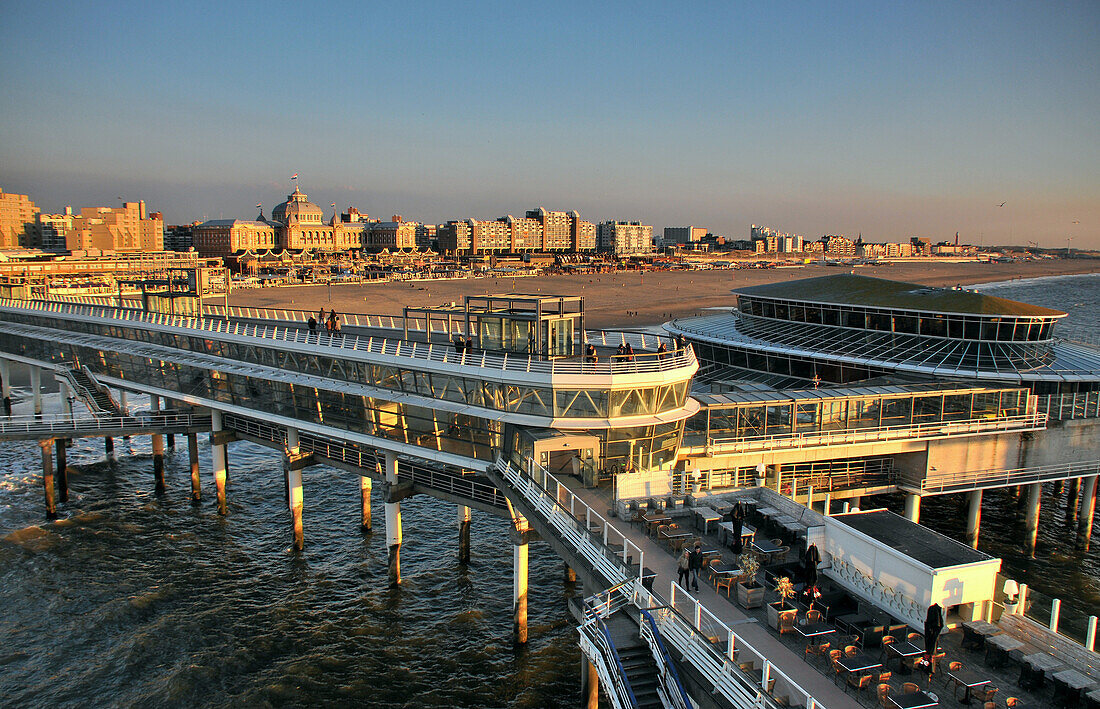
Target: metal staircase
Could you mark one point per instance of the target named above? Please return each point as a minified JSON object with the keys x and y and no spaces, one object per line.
{"x":92,"y":393}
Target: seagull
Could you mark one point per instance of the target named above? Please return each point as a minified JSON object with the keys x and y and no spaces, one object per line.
{"x":1002,"y":204}
{"x":1076,"y":221}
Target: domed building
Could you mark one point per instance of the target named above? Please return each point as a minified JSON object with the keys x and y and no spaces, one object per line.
{"x":301,"y":226}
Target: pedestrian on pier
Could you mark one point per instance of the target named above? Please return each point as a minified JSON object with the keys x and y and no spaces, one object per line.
{"x":662,"y":351}
{"x":312,"y":322}
{"x":695,"y":562}
{"x":629,"y":352}
{"x":590,"y":353}
{"x":335,"y":324}
{"x":683,"y":568}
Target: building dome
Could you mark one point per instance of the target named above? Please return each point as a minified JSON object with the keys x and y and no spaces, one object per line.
{"x":297,"y":209}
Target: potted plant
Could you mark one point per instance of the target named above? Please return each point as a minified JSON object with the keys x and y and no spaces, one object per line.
{"x":750,"y":594}
{"x":783,"y":606}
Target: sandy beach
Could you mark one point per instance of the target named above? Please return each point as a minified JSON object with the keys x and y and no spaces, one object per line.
{"x":634,"y":299}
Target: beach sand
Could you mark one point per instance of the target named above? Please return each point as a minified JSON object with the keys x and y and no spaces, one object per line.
{"x":633,"y":299}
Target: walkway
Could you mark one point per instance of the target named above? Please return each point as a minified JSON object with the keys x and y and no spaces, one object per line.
{"x":663,"y":564}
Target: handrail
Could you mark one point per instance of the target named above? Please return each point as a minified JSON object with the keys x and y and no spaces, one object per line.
{"x":597,"y":646}
{"x":643,"y":362}
{"x":934,"y":429}
{"x":1079,"y":404}
{"x":1013,"y":476}
{"x":653,"y":638}
{"x":64,"y":423}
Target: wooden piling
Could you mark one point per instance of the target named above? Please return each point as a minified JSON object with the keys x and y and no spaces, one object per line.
{"x":193,"y":458}
{"x":62,"y":471}
{"x":365,"y":485}
{"x":109,"y":446}
{"x":47,"y":477}
{"x":463,"y":534}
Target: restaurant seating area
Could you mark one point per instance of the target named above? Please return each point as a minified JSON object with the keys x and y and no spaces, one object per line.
{"x":878,"y":659}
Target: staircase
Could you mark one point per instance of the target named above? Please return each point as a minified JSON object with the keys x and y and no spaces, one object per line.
{"x":89,"y":390}
{"x":639,"y":667}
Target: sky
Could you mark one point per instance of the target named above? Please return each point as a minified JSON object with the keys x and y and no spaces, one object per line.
{"x":887,"y":119}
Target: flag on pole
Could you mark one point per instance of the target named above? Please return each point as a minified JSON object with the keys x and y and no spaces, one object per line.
{"x":294,"y":176}
{"x":258,"y":206}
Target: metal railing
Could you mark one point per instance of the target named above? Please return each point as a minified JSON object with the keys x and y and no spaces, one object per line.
{"x":973,"y":479}
{"x":465,"y":486}
{"x":599,"y":648}
{"x":426,"y":351}
{"x":937,"y":429}
{"x":64,"y":423}
{"x":668,"y":679}
{"x":574,"y":520}
{"x":1064,"y":407}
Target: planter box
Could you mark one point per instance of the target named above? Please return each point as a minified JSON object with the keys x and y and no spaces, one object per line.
{"x":750,"y":597}
{"x":777,"y":609}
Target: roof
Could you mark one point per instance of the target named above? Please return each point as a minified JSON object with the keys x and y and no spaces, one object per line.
{"x":236,"y":222}
{"x":792,"y":395}
{"x":921,"y":543}
{"x":850,"y":289}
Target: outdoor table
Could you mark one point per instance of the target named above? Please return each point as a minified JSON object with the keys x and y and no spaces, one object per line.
{"x":850,"y":621}
{"x":904,"y":650}
{"x":1068,"y":685}
{"x":859,"y":662}
{"x":915,"y":700}
{"x":722,"y":508}
{"x":654,"y":521}
{"x":794,"y":527}
{"x":1040,"y":664}
{"x":813,"y":630}
{"x":705,"y":516}
{"x":975,"y":633}
{"x":968,"y":679}
{"x":767,"y":511}
{"x":725,"y":533}
{"x":998,"y":647}
{"x":764,"y":546}
{"x":1092,"y":699}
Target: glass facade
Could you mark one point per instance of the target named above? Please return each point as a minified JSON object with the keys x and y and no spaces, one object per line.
{"x":790,"y":416}
{"x":988,"y":328}
{"x":513,"y":398}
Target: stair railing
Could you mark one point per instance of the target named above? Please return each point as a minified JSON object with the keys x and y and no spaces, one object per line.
{"x":668,"y":679}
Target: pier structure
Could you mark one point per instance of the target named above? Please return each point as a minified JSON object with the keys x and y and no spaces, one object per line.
{"x":496,"y":427}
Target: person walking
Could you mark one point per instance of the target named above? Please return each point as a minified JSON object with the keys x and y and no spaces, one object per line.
{"x":683,"y":568}
{"x":312,"y":323}
{"x":695,"y":563}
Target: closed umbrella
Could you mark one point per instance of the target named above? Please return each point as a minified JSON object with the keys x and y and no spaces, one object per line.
{"x":933,"y":624}
{"x":811,"y":560}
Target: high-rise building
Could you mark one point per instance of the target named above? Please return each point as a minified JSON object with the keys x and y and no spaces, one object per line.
{"x":18,"y":215}
{"x":624,"y":238}
{"x":684,"y":234}
{"x":583,"y":233}
{"x":425,"y":235}
{"x":556,"y":229}
{"x":122,"y":229}
{"x":179,"y":237}
{"x":51,"y":229}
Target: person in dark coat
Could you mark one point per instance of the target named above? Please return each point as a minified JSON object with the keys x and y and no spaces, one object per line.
{"x":811,"y":560}
{"x":933,"y":624}
{"x":695,"y":562}
{"x":737,"y":527}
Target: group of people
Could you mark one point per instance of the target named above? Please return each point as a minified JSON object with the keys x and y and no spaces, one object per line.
{"x":689,"y":566}
{"x":331,"y":321}
{"x":463,"y":345}
{"x":624,"y":353}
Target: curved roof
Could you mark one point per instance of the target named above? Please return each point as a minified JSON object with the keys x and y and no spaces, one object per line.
{"x":850,"y":289}
{"x":297,"y":207}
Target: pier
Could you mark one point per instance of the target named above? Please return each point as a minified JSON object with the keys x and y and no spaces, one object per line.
{"x":531,"y":427}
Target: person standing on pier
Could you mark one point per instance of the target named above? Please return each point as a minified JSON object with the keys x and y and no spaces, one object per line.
{"x":695,"y":562}
{"x":683,"y":568}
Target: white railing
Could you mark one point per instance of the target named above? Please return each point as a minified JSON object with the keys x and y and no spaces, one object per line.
{"x":566,"y":512}
{"x":64,"y":423}
{"x":1017,"y":476}
{"x":436,"y":352}
{"x":937,"y":429}
{"x":594,"y":646}
{"x":1078,"y":405}
{"x":690,"y":630}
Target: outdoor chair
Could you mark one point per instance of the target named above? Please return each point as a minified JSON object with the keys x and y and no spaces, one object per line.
{"x":786,"y":622}
{"x":724,"y":581}
{"x":813,"y":616}
{"x":885,"y":676}
{"x":859,"y":682}
{"x":834,"y":661}
{"x":819,"y":649}
{"x":884,"y":696}
{"x":850,"y":650}
{"x":950,"y":682}
{"x":909,"y":687}
{"x":983,"y":694}
{"x":1012,"y":702}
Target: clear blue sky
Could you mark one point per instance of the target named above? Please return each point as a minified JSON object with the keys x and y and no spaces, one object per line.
{"x":888,"y":119}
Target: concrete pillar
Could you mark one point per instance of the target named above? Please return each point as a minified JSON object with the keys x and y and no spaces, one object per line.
{"x":36,"y":389}
{"x":590,"y":684}
{"x":294,"y":497}
{"x":1071,"y":500}
{"x":519,"y":584}
{"x":973,"y":518}
{"x":393,"y":524}
{"x":5,"y":385}
{"x":62,"y":471}
{"x":845,"y":506}
{"x":1088,"y":506}
{"x":855,"y":503}
{"x":912,"y":508}
{"x":66,"y":393}
{"x":193,"y":458}
{"x":1031,"y":523}
{"x":109,"y":446}
{"x":217,"y":456}
{"x":463,"y":534}
{"x":47,"y":477}
{"x":158,"y":448}
{"x":122,"y":404}
{"x":365,"y":485}
{"x":828,"y":503}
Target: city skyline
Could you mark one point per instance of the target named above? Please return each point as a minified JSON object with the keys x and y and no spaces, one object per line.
{"x":893,"y":122}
